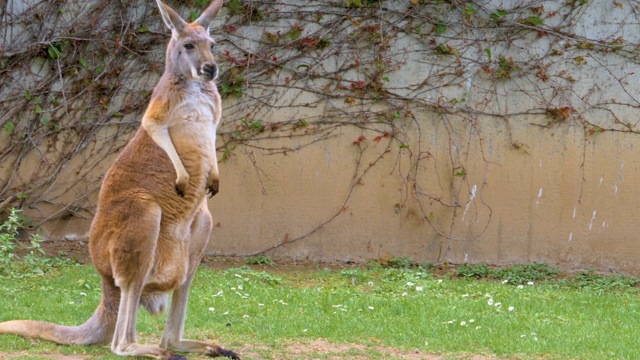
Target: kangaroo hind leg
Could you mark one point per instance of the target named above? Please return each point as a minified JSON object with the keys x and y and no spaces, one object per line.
{"x":172,"y":337}
{"x":132,"y":254}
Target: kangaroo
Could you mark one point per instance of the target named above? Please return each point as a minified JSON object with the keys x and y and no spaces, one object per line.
{"x":152,"y":224}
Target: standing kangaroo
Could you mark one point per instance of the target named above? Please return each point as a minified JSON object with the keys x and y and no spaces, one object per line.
{"x":152,"y":224}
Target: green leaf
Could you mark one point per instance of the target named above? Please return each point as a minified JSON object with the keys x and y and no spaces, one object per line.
{"x":469,"y":10}
{"x":235,"y":7}
{"x":45,"y":121}
{"x":99,"y":69}
{"x":55,"y":51}
{"x":488,"y":52}
{"x":9,"y":126}
{"x":461,"y":173}
{"x":144,"y":29}
{"x":84,"y":63}
{"x":534,"y":20}
{"x":38,"y":109}
{"x":498,"y":14}
{"x":441,"y":28}
{"x":256,"y":125}
{"x":27,"y":95}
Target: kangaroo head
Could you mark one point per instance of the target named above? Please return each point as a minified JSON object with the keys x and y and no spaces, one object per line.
{"x":190,"y":50}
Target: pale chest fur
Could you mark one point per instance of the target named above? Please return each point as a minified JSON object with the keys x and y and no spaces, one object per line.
{"x":192,"y":123}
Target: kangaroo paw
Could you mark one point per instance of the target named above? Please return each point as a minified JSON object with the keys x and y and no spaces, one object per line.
{"x":213,"y":188}
{"x":178,"y":357}
{"x":180,"y":189}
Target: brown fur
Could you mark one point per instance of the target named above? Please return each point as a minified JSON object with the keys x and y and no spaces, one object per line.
{"x":152,"y":224}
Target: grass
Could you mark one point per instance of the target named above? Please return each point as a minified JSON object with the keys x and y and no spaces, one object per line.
{"x":588,"y":316}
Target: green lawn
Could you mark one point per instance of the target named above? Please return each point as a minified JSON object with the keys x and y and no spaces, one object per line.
{"x":262,"y":313}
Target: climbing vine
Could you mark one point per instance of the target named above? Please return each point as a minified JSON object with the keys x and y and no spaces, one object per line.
{"x":75,"y":77}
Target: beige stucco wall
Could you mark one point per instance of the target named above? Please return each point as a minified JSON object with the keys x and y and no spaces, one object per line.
{"x":560,"y":200}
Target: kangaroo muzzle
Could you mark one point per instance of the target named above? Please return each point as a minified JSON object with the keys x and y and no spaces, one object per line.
{"x":209,"y":71}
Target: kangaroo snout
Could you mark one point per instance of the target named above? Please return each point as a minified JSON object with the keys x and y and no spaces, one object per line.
{"x":210,"y":71}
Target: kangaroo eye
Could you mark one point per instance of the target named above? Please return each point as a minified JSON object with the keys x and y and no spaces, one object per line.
{"x":212,"y":46}
{"x":188,"y":46}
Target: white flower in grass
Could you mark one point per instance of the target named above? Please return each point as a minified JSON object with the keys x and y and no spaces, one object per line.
{"x":478,"y":327}
{"x":465,"y":296}
{"x":471,"y":321}
{"x":239,"y":287}
{"x":245,"y":316}
{"x":83,"y":294}
{"x":498,"y":304}
{"x":419,"y":288}
{"x":404,"y":294}
{"x":490,"y":301}
{"x":410,"y":284}
{"x":260,"y":305}
{"x":463,"y":323}
{"x":530,"y":283}
{"x":511,"y":308}
{"x":439,"y":281}
{"x":521,"y":286}
{"x":212,"y":309}
{"x":505,"y":281}
{"x":370,"y":283}
{"x":370,"y":307}
{"x":305,"y":330}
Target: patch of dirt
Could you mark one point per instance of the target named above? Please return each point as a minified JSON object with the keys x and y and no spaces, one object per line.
{"x":327,"y":350}
{"x":79,"y":251}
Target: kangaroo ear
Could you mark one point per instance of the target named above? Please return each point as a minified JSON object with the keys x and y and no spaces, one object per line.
{"x":209,"y":14}
{"x":170,"y":17}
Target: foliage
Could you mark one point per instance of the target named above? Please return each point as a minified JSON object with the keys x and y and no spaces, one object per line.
{"x":34,"y":262}
{"x":516,"y":274}
{"x":477,"y":271}
{"x":260,"y":260}
{"x":601,"y":283}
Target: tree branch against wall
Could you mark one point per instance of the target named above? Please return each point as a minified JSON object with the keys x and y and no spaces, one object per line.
{"x":330,"y":64}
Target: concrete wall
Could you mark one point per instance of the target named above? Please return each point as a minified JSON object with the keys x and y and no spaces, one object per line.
{"x":474,"y":168}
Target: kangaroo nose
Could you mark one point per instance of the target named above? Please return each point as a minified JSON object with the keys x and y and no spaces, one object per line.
{"x":211,"y":70}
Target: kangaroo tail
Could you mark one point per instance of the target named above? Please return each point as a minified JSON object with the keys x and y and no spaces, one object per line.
{"x":97,"y":330}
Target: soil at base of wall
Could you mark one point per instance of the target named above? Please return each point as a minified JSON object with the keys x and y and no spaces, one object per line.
{"x":78,"y":251}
